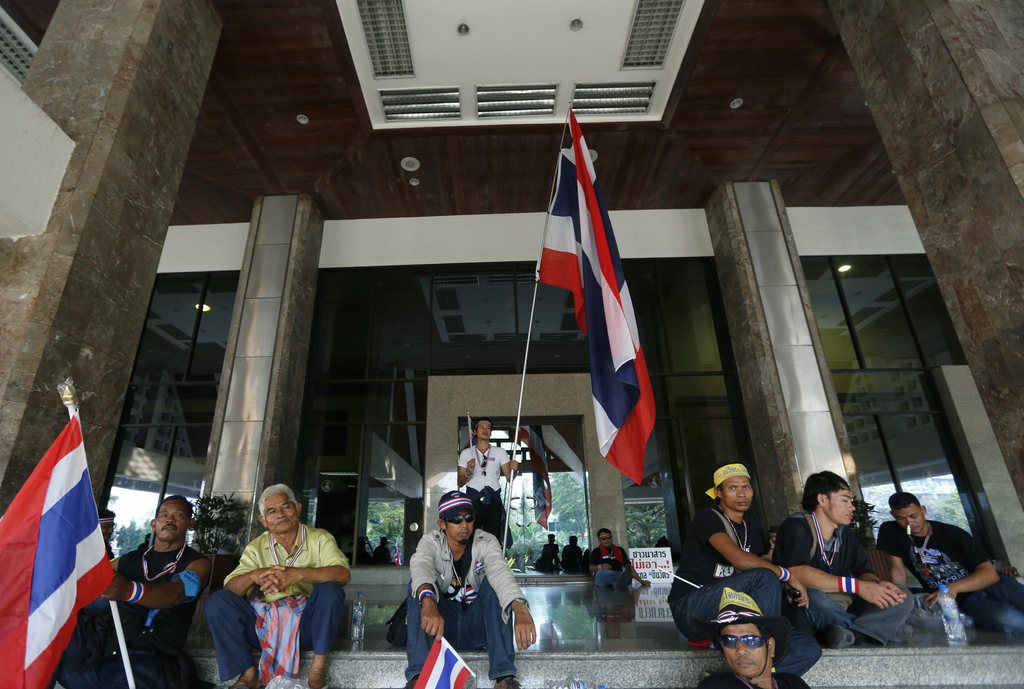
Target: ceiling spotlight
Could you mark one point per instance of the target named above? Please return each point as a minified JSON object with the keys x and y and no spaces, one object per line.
{"x":736,"y":103}
{"x":463,"y":29}
{"x":843,"y":268}
{"x":205,"y":308}
{"x":410,"y":164}
{"x":593,"y":155}
{"x":576,"y":24}
{"x":301,"y":119}
{"x":414,"y":181}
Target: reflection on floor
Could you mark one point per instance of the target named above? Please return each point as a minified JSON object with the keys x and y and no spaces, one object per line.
{"x":628,"y":639}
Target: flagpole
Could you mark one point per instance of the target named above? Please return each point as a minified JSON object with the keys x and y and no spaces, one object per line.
{"x":69,"y":396}
{"x":526,"y":351}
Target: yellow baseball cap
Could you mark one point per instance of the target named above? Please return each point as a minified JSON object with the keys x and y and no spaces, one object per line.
{"x":722,"y":473}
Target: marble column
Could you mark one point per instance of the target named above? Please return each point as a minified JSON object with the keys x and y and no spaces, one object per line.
{"x":790,"y":404}
{"x":125,"y":81}
{"x":256,"y":424}
{"x":945,"y":83}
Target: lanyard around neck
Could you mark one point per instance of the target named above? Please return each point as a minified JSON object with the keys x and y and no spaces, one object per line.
{"x":821,"y":544}
{"x":291,"y":560}
{"x":168,"y":568}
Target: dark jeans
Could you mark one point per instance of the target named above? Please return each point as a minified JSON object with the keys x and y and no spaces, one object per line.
{"x":232,"y":622}
{"x":763,"y":586}
{"x":467,"y":627}
{"x":881,"y":624}
{"x":1000,"y":607}
{"x":490,"y":515}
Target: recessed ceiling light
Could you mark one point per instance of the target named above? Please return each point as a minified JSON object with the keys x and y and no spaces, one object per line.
{"x":463,"y":29}
{"x":301,"y":119}
{"x":205,"y":308}
{"x":843,"y":268}
{"x":736,"y":103}
{"x":414,"y":181}
{"x":576,"y":24}
{"x":410,"y":164}
{"x":593,"y":155}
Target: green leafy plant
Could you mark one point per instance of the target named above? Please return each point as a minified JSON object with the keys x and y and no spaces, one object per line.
{"x":219,"y":521}
{"x":863,"y":523}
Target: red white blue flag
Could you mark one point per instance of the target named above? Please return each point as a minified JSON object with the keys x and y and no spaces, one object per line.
{"x":444,"y":668}
{"x":533,"y":438}
{"x":54,"y":561}
{"x":580,"y":255}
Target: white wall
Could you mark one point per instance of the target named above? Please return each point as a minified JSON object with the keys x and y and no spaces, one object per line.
{"x":863,"y":230}
{"x":203,"y":248}
{"x":35,"y":153}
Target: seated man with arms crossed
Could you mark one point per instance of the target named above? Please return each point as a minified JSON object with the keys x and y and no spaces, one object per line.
{"x":751,"y":644}
{"x":157,"y":588}
{"x":286,"y":589}
{"x":723,"y":550}
{"x":939,"y":553}
{"x":828,"y":559}
{"x":462,"y":585}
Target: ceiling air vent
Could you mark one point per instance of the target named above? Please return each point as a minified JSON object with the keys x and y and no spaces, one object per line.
{"x":386,"y":37}
{"x":16,"y":50}
{"x":613,"y":99}
{"x":515,"y":101}
{"x":421,"y":104}
{"x":654,"y":24}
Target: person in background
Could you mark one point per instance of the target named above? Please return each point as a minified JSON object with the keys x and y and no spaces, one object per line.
{"x":480,"y":468}
{"x":107,"y":529}
{"x":573,"y":561}
{"x":548,"y":560}
{"x":610,"y":564}
{"x":382,"y":554}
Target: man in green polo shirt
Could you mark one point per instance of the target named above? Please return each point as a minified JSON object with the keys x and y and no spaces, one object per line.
{"x":285,"y":596}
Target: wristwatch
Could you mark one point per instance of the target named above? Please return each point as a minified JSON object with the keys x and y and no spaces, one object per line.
{"x":521,"y":600}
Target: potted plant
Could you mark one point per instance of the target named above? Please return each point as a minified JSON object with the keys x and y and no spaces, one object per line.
{"x":219,"y":522}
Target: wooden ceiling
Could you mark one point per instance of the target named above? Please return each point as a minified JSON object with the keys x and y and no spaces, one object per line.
{"x":803,"y":122}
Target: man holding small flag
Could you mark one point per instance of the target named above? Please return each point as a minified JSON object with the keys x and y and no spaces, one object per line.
{"x":580,"y":255}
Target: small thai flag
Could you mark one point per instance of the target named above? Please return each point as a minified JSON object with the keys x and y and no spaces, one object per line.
{"x":444,"y":668}
{"x":55,"y":561}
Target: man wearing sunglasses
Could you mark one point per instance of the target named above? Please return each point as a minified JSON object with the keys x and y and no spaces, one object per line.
{"x":480,"y":467}
{"x":463,"y":589}
{"x":751,"y":644}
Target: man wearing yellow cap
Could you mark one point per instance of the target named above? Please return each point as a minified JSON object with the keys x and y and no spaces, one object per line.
{"x":722,"y":550}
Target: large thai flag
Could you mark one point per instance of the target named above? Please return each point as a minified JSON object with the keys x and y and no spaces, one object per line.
{"x":533,"y":438}
{"x":580,"y":255}
{"x":444,"y":668}
{"x":54,"y":561}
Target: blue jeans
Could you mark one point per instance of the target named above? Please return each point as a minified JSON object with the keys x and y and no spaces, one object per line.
{"x":467,"y":627}
{"x":763,"y":586}
{"x":1000,"y":607}
{"x":232,"y":622}
{"x":881,"y":624}
{"x":612,"y":578}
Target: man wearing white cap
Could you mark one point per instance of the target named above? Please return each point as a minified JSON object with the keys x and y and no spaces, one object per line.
{"x":480,"y":467}
{"x":723,"y":550}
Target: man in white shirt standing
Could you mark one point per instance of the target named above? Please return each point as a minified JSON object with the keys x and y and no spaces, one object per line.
{"x":480,"y":467}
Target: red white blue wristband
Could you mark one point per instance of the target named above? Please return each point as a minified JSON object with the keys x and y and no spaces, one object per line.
{"x":425,"y":593}
{"x":848,"y":585}
{"x":138,"y":591}
{"x":784,"y":574}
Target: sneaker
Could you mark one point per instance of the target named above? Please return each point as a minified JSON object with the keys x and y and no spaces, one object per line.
{"x":509,"y":682}
{"x":838,"y":636}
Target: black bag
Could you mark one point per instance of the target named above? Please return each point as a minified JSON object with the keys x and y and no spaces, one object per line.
{"x":398,"y":625}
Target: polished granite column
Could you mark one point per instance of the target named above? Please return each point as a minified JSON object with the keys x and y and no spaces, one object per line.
{"x":124,"y":80}
{"x":256,"y":423}
{"x":943,"y":79}
{"x":790,"y":404}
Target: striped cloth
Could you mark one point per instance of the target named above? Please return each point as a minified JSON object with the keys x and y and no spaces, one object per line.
{"x":277,"y":628}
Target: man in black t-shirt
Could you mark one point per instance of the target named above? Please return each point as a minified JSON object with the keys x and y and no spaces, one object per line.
{"x":722,"y":550}
{"x":939,"y":553}
{"x":572,"y":558}
{"x":157,"y":589}
{"x":848,"y":601}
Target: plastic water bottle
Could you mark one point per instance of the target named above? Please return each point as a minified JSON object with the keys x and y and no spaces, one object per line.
{"x":358,"y":617}
{"x":951,"y":620}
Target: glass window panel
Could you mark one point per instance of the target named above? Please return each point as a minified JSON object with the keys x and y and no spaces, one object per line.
{"x":687,"y":317}
{"x":708,"y":444}
{"x":400,"y":322}
{"x":876,"y":480}
{"x":356,"y":402}
{"x":214,"y":324}
{"x":392,"y":488}
{"x":141,"y":456}
{"x":327,"y":467}
{"x":172,"y":316}
{"x":170,"y":404}
{"x":652,"y":509}
{"x":642,"y":279}
{"x":927,"y":311}
{"x":473,"y":321}
{"x":696,"y":396}
{"x":341,"y":324}
{"x":556,"y":343}
{"x":878,"y":317}
{"x":885,"y":391}
{"x":922,"y":465}
{"x":828,"y":313}
{"x":188,"y":462}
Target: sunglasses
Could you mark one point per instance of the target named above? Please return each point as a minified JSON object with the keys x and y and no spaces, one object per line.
{"x":459,"y":518}
{"x":749,"y":640}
